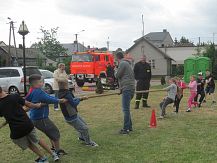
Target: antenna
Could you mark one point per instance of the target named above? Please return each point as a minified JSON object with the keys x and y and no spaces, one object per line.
{"x":143,"y":27}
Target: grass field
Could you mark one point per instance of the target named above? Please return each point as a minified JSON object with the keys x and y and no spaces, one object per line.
{"x":186,"y":137}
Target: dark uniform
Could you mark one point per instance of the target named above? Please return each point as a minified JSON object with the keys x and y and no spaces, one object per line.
{"x":142,"y":73}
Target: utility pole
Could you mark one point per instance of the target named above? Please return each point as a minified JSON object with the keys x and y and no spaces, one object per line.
{"x":199,"y":41}
{"x":13,"y":59}
{"x":76,"y":40}
{"x":143,"y":27}
{"x":108,"y":44}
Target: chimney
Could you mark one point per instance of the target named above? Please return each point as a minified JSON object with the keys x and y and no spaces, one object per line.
{"x":164,"y":30}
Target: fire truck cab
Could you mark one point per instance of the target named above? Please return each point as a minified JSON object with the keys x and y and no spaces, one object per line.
{"x":87,"y":66}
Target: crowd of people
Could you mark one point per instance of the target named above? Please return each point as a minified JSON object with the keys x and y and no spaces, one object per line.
{"x":22,"y":126}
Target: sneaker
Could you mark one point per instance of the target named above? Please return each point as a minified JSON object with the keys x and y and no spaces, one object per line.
{"x":42,"y":160}
{"x":56,"y":109}
{"x":189,"y":110}
{"x":161,"y":117}
{"x":124,"y":132}
{"x":204,"y":101}
{"x":92,"y":144}
{"x":81,"y":139}
{"x":55,"y":156}
{"x":131,"y":130}
{"x":61,"y":152}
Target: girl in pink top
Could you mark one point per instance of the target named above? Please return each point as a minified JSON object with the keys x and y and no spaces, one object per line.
{"x":193,"y":92}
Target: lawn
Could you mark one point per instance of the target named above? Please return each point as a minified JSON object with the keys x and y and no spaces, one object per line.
{"x":186,"y":137}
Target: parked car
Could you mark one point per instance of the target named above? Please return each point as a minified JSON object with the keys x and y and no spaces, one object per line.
{"x":49,"y":80}
{"x":12,"y":78}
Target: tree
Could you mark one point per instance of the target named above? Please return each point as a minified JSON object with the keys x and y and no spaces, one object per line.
{"x":211,"y":53}
{"x":48,"y":45}
{"x":183,"y":42}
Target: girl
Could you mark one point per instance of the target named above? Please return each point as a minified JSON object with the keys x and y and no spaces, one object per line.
{"x":193,"y":92}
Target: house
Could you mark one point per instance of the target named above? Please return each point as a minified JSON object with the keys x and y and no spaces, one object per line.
{"x":74,"y":47}
{"x":161,"y":63}
{"x":160,"y":39}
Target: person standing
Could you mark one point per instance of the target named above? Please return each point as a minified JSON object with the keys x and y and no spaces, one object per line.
{"x":142,"y":71}
{"x":126,"y":80}
{"x":58,"y":75}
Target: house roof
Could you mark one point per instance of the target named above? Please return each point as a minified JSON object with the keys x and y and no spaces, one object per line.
{"x":151,"y":44}
{"x":30,"y":52}
{"x":72,"y":47}
{"x":157,"y":36}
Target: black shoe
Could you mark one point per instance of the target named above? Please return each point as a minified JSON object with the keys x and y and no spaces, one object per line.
{"x":189,"y":110}
{"x":124,"y":132}
{"x":61,"y":152}
{"x":81,"y":139}
{"x":204,"y":101}
{"x":131,"y":130}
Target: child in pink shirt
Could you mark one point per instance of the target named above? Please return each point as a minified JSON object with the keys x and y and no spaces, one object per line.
{"x":193,"y":92}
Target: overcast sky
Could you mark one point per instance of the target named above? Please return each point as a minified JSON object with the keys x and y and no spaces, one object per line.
{"x":120,"y":20}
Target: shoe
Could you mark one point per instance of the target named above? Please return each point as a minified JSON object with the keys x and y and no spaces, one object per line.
{"x":92,"y":144}
{"x":189,"y":110}
{"x":56,"y":109}
{"x":81,"y":139}
{"x":61,"y":152}
{"x":214,"y":102}
{"x":42,"y":160}
{"x":55,"y":157}
{"x":131,"y":130}
{"x":124,"y":132}
{"x":199,"y":105}
{"x":204,"y":101}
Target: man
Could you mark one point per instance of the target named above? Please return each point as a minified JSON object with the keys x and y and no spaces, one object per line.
{"x":142,"y":71}
{"x":59,"y":74}
{"x":126,"y":80}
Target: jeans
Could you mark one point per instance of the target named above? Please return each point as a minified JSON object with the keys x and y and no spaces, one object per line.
{"x":81,"y":127}
{"x":164,"y":104}
{"x":56,"y":95}
{"x":127,"y":96}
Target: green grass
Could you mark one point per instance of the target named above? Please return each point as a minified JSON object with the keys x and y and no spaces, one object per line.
{"x":186,"y":137}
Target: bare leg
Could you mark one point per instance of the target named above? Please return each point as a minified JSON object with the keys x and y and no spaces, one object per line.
{"x":45,"y":146}
{"x":35,"y":149}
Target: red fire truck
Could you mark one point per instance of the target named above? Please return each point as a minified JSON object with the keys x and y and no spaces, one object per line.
{"x":87,"y":66}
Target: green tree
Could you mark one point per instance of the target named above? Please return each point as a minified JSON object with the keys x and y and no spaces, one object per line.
{"x":48,"y":45}
{"x":211,"y":53}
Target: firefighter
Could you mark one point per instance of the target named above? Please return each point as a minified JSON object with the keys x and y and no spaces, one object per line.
{"x":142,"y":71}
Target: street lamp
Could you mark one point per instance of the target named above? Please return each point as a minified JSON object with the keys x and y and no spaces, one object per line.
{"x":23,"y":30}
{"x":76,"y":38}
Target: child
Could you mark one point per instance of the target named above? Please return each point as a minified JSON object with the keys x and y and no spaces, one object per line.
{"x":193,"y":93}
{"x":71,"y":115}
{"x":170,"y":98}
{"x":22,"y":129}
{"x":180,"y":88}
{"x":39,"y":116}
{"x":210,"y":89}
{"x":200,"y":89}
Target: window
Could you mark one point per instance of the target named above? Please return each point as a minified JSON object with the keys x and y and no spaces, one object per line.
{"x":152,"y":63}
{"x":4,"y":73}
{"x":47,"y":74}
{"x":14,"y":73}
{"x":82,"y":58}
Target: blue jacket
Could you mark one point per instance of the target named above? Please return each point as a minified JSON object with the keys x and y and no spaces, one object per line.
{"x":37,"y":95}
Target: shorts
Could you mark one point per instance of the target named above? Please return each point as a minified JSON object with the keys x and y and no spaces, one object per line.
{"x":48,"y":128}
{"x":25,"y":141}
{"x":210,"y":90}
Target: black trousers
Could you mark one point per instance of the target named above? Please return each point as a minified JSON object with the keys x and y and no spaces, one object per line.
{"x":142,"y":85}
{"x":177,"y":102}
{"x":202,"y":96}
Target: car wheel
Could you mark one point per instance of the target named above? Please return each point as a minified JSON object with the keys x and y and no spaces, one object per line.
{"x":48,"y":89}
{"x":13,"y":90}
{"x":80,"y":83}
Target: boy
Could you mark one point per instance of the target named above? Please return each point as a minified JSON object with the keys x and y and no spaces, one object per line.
{"x":210,"y":89}
{"x":170,"y":98}
{"x":39,"y":116}
{"x":200,"y":89}
{"x":22,"y":129}
{"x":71,"y":115}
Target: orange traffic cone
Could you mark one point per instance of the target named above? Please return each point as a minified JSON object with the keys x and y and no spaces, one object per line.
{"x":153,"y":121}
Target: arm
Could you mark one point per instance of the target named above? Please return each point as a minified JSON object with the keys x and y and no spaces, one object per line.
{"x":120,"y":70}
{"x":136,"y":69}
{"x":72,"y":101}
{"x":167,"y":88}
{"x":31,"y":105}
{"x":45,"y":98}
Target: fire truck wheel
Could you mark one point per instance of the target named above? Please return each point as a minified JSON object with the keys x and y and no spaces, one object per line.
{"x":80,"y":83}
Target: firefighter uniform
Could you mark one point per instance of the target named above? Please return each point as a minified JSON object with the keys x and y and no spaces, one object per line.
{"x":142,"y":71}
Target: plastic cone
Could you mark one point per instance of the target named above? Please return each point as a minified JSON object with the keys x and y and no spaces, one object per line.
{"x":153,"y":121}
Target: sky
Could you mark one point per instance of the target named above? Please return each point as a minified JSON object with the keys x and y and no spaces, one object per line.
{"x":116,"y":21}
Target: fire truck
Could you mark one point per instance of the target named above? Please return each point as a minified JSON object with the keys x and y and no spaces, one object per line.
{"x":87,"y":66}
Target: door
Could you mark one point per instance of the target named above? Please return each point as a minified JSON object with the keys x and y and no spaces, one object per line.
{"x":5,"y":79}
